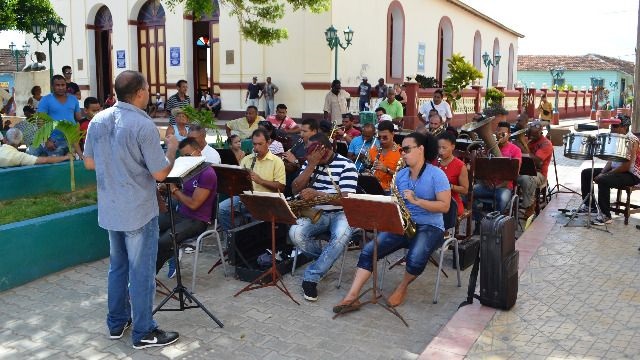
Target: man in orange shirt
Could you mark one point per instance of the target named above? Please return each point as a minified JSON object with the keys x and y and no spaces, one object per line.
{"x":385,"y":158}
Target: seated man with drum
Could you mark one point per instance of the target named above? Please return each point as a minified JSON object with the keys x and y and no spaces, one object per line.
{"x":615,"y":174}
{"x":540,"y":150}
{"x":500,"y":193}
{"x":325,"y":179}
{"x":426,"y":193}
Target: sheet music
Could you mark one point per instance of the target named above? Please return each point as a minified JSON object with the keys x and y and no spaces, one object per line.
{"x":379,"y":198}
{"x":229,"y":166}
{"x":272,"y":195}
{"x":184,"y":164}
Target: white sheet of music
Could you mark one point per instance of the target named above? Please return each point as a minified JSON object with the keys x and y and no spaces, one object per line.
{"x":184,"y":164}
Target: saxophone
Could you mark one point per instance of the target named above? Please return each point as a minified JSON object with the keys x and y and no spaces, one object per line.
{"x":442,"y":128}
{"x":408,"y":224}
{"x":305,"y":208}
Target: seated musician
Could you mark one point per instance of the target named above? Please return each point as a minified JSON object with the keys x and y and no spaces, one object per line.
{"x":348,"y":132}
{"x":435,"y":123}
{"x":244,"y":126}
{"x":281,"y":121}
{"x":195,"y":201}
{"x":426,"y":193}
{"x":324,"y":173}
{"x":298,"y":152}
{"x":454,"y":168}
{"x":499,"y":194}
{"x":360,"y":146}
{"x":267,"y":174}
{"x":385,"y":161}
{"x":615,"y":174}
{"x":540,"y":150}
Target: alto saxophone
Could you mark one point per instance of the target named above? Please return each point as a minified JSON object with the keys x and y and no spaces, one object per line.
{"x":305,"y":208}
{"x":408,"y":224}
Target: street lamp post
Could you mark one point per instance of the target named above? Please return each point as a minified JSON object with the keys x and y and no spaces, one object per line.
{"x":54,"y":33}
{"x":613,"y":85}
{"x":488,"y":62}
{"x":17,"y":54}
{"x":331,"y":35}
{"x":556,"y":75}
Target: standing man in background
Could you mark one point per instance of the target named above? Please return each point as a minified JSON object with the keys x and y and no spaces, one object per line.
{"x":254,"y":93}
{"x":72,"y":88}
{"x":269,"y":92}
{"x":336,"y":103}
{"x":177,"y":100}
{"x":364,"y":91}
{"x":125,"y":132}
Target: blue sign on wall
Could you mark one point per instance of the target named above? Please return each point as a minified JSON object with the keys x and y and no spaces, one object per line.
{"x":174,"y":56}
{"x":121,"y":61}
{"x":421,"y":54}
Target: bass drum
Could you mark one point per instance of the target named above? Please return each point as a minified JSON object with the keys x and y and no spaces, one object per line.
{"x":578,"y":146}
{"x":614,"y":147}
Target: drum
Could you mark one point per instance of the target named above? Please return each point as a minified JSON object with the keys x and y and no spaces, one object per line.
{"x":613,"y":147}
{"x":578,"y":146}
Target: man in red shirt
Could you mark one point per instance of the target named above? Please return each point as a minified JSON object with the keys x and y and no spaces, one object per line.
{"x":348,"y":132}
{"x":91,"y":108}
{"x":540,"y":150}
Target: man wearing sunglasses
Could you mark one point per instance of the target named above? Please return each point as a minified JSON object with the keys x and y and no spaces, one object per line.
{"x":385,"y":158}
{"x":615,"y":174}
{"x":195,"y":203}
{"x":540,"y":150}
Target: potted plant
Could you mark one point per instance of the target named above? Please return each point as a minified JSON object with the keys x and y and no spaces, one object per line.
{"x":461,"y":74}
{"x":494,"y":104}
{"x":205,"y":119}
{"x":426,"y":82}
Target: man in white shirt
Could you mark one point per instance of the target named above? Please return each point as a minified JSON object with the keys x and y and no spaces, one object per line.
{"x":439,"y":105}
{"x":200,"y":134}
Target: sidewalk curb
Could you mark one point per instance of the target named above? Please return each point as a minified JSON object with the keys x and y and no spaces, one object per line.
{"x":456,"y":337}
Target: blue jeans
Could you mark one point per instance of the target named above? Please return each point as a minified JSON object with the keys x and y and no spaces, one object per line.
{"x":428,"y":238}
{"x":303,"y":237}
{"x":269,"y":107}
{"x":362,"y":102}
{"x":498,"y":197}
{"x":131,"y":284}
{"x":43,"y":151}
{"x":224,"y":213}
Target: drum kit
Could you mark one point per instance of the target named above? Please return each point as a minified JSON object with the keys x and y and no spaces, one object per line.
{"x":604,"y":146}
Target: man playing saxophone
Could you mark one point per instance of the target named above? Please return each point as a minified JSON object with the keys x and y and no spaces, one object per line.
{"x":385,"y":156}
{"x":267,"y":174}
{"x":426,"y":194}
{"x":325,"y":172}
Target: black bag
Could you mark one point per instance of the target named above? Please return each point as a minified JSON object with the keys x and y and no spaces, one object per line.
{"x":546,"y":112}
{"x":499,"y":261}
{"x":467,"y":252}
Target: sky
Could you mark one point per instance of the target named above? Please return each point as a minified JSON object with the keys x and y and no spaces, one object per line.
{"x":568,"y":27}
{"x":551,"y":27}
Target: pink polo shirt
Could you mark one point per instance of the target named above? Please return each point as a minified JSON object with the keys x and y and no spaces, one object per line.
{"x":287,"y":124}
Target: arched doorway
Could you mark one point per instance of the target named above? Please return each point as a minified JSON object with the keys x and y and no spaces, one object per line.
{"x":206,"y":47}
{"x":395,"y":43}
{"x":495,"y":74}
{"x":477,"y":51}
{"x":511,"y":65}
{"x":103,"y":26}
{"x":445,"y":48}
{"x":151,"y":47}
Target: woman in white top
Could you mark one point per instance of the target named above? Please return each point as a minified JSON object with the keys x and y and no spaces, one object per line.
{"x":180,"y":129}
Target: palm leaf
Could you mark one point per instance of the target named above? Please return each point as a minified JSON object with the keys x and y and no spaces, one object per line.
{"x":45,"y":125}
{"x":71,"y":132}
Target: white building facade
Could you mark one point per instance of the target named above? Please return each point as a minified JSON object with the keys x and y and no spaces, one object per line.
{"x":393,"y":39}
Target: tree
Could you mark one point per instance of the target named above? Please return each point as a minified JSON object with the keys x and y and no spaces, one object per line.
{"x":461,"y":74}
{"x":23,"y":14}
{"x":257,"y":18}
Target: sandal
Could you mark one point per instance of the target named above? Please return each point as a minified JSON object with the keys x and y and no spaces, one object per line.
{"x":343,"y":308}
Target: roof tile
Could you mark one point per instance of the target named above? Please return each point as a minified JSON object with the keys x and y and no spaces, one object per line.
{"x":584,"y":62}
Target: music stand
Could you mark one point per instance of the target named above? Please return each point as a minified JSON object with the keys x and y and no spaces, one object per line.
{"x":376,"y":216}
{"x":227,"y":157}
{"x":370,"y":185}
{"x":271,"y":209}
{"x":180,"y":289}
{"x":528,"y":166}
{"x":232,"y":180}
{"x":555,"y":135}
{"x":497,"y":169}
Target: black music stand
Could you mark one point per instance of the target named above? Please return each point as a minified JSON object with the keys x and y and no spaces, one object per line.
{"x":231,"y":181}
{"x":227,"y":157}
{"x":556,"y":137}
{"x":376,"y":216}
{"x":528,"y":166}
{"x":498,"y":169}
{"x":271,"y":209}
{"x":180,"y":289}
{"x":370,"y":185}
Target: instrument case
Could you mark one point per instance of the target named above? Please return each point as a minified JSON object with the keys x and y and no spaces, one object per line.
{"x":498,"y":261}
{"x":467,"y":251}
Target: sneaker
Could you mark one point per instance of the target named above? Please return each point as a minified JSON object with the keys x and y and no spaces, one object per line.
{"x":117,"y":334}
{"x":189,"y":249}
{"x":601,"y":220}
{"x":157,"y":338}
{"x":172,"y":269}
{"x":583,"y":209}
{"x":310,"y":290}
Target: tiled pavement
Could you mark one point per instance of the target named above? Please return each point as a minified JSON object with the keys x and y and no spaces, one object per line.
{"x":579,"y":296}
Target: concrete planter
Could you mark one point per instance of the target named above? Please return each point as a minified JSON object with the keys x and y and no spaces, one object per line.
{"x":34,"y":248}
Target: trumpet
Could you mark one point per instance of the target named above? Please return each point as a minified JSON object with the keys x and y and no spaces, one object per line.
{"x":442,"y":128}
{"x":521,"y":136}
{"x":333,"y":130}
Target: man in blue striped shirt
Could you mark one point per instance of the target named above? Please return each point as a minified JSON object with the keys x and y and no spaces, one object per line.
{"x":324,"y":173}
